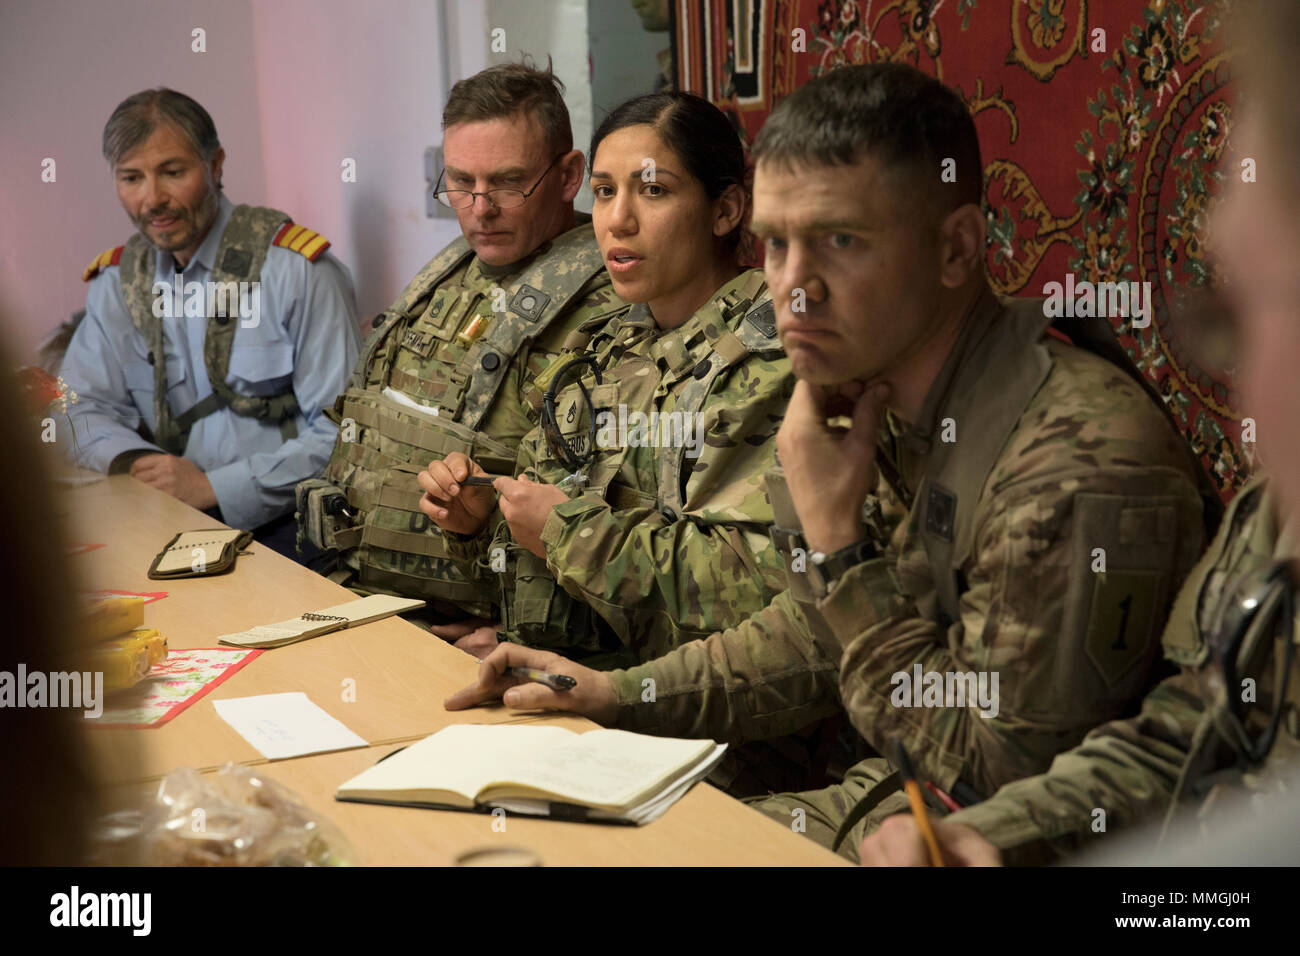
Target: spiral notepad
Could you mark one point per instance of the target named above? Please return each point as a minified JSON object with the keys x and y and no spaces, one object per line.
{"x":315,"y":623}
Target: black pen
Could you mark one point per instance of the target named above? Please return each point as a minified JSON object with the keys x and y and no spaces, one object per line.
{"x":482,"y":479}
{"x":553,"y":681}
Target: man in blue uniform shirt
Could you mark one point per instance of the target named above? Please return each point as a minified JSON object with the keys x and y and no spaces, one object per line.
{"x":255,"y":325}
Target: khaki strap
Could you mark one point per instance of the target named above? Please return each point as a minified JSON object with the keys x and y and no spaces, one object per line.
{"x":363,"y":415}
{"x":347,"y":539}
{"x":427,"y":437}
{"x":371,"y":458}
{"x":463,"y":593}
{"x":410,"y":542}
{"x":425,"y":388}
{"x":389,"y":496}
{"x":730,"y":348}
{"x":673,"y":351}
{"x":787,"y":534}
{"x":280,"y":408}
{"x":783,"y":512}
{"x":575,"y":341}
{"x":458,"y":378}
{"x":404,"y":499}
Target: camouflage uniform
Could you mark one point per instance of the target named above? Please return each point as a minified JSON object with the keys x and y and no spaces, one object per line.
{"x":661,"y":545}
{"x":1130,"y":769}
{"x":1084,"y":460}
{"x":463,"y":340}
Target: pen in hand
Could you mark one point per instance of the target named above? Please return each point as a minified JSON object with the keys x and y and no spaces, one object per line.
{"x":556,"y":682}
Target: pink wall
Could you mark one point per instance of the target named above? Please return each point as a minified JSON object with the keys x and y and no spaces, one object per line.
{"x":64,"y":65}
{"x":360,"y":81}
{"x":293,"y":86}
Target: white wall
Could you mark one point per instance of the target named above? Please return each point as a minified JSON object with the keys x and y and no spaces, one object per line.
{"x":557,"y":28}
{"x":624,"y":56}
{"x":64,"y":65}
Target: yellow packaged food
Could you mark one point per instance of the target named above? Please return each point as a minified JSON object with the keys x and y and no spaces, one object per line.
{"x":108,"y":617}
{"x":123,"y":662}
{"x":154,"y":643}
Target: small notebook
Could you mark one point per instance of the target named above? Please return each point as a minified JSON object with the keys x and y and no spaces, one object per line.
{"x":608,"y":776}
{"x":316,"y":623}
{"x":193,"y":554}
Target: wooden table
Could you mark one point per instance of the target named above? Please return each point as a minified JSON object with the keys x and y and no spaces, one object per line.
{"x":401,"y":675}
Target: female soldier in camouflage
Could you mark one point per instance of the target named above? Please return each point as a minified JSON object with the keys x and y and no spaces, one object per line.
{"x":638,"y":519}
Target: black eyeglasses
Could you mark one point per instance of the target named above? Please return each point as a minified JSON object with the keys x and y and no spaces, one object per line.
{"x":501,"y":198}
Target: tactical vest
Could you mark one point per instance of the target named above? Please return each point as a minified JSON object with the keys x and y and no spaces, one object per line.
{"x":956,"y":472}
{"x":240,"y":256}
{"x":536,"y":610}
{"x":383,"y":444}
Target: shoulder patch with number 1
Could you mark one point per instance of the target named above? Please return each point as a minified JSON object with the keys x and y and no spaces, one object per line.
{"x":1121,"y":621}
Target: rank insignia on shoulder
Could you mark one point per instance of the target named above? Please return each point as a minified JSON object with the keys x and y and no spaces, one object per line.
{"x":109,"y":257}
{"x":301,"y":240}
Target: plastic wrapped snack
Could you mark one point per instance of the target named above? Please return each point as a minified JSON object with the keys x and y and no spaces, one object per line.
{"x":151,"y":639}
{"x":123,"y":661}
{"x":235,"y":817}
{"x":110,"y":616}
{"x":127,"y":659}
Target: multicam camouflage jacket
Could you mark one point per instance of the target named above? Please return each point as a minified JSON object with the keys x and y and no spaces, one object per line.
{"x":1087,"y":519}
{"x":1130,"y":769}
{"x":666,"y":541}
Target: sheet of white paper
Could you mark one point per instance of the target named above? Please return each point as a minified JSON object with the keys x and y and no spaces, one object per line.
{"x":286,"y":725}
{"x":406,"y":401}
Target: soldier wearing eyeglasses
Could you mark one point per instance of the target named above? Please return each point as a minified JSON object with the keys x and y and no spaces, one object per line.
{"x":446,"y":367}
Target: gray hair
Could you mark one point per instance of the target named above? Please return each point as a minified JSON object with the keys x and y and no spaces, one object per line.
{"x":136,"y":117}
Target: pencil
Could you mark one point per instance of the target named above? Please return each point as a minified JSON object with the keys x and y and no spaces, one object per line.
{"x":914,"y":797}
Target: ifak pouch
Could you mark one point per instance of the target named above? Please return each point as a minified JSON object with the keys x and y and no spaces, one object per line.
{"x":199,"y":554}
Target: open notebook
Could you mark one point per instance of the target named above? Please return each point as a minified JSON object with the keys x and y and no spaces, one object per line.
{"x":601,"y":775}
{"x":316,"y":623}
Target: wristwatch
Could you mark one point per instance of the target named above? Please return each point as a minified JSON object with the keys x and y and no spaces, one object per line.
{"x":825,"y":569}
